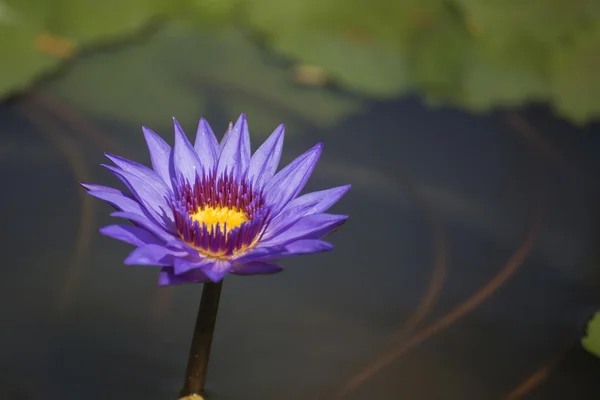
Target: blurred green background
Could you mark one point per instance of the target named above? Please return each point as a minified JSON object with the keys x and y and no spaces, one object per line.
{"x":475,"y":54}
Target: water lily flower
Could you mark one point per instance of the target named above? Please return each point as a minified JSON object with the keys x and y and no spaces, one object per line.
{"x":211,"y":208}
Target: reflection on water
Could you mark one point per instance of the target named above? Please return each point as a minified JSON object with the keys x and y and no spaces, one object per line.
{"x":464,"y":272}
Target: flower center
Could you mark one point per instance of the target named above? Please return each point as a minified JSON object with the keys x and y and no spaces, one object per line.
{"x":227,"y":218}
{"x":219,"y":216}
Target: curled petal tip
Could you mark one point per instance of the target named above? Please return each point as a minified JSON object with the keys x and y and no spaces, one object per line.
{"x":147,"y":131}
{"x":280,"y":128}
{"x":242,"y":121}
{"x":316,"y":150}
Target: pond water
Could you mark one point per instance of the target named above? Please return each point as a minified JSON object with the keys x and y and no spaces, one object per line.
{"x":467,"y":269}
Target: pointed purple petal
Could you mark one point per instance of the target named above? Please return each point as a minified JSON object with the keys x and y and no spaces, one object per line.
{"x":310,"y":227}
{"x":146,"y":223}
{"x":139,"y":170}
{"x":317,"y":202}
{"x":160,"y":155}
{"x":297,"y":247}
{"x":153,"y":196}
{"x":206,"y":146}
{"x":260,"y":254}
{"x":218,"y":270}
{"x":215,"y":276}
{"x":306,"y":246}
{"x":145,"y":177}
{"x":181,"y":245}
{"x":308,"y":204}
{"x":265,"y":160}
{"x":235,"y":156}
{"x":153,"y":254}
{"x":181,"y":266}
{"x":225,"y":137}
{"x":167,"y":277}
{"x":119,"y":200}
{"x":130,"y":234}
{"x":257,"y":268}
{"x":185,"y":160}
{"x":288,"y":182}
{"x":92,"y":186}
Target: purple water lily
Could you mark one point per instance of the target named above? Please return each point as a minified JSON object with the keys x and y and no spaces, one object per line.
{"x":214,"y":208}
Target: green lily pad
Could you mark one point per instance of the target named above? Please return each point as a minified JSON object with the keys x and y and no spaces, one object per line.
{"x":575,"y":78}
{"x":545,"y":21}
{"x":478,"y":54}
{"x":205,"y":13}
{"x":98,"y":21}
{"x":439,"y":56}
{"x":371,"y":69}
{"x":128,"y":84}
{"x":387,"y":22}
{"x":36,"y":36}
{"x":592,"y":340}
{"x":21,"y":61}
{"x":180,"y":72}
{"x":504,"y":77}
{"x":362,"y":46}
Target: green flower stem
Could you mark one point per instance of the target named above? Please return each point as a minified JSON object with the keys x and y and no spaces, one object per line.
{"x":195,"y":376}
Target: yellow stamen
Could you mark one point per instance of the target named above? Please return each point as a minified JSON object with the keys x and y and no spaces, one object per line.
{"x":213,"y":216}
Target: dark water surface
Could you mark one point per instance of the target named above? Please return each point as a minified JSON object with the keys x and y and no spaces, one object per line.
{"x":468,"y":266}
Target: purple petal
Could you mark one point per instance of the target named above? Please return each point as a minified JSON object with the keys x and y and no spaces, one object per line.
{"x":257,"y":268}
{"x":146,"y":223}
{"x":260,"y":254}
{"x":143,"y":173}
{"x":94,"y":187}
{"x":153,"y":254}
{"x":167,"y":277}
{"x":218,"y":270}
{"x":317,"y":202}
{"x":181,"y":245}
{"x":150,"y":194}
{"x":225,"y":136}
{"x":311,"y":203}
{"x":160,"y":155}
{"x":298,"y":247}
{"x":139,"y":170}
{"x":216,"y":275}
{"x":310,"y":227}
{"x":130,"y":234}
{"x":306,"y":246}
{"x":207,"y":146}
{"x":235,"y":155}
{"x":265,"y":160}
{"x":119,"y":200}
{"x":181,"y":266}
{"x":288,"y":182}
{"x":185,"y":160}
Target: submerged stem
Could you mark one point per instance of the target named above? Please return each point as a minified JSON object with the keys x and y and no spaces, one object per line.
{"x":195,"y":376}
